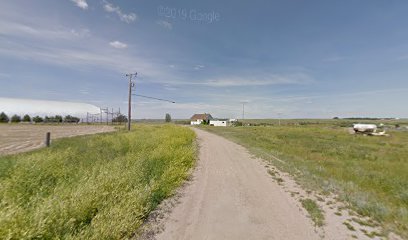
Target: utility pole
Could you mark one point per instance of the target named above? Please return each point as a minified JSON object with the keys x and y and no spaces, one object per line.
{"x":131,"y":85}
{"x":243,"y":110}
{"x":279,"y":117}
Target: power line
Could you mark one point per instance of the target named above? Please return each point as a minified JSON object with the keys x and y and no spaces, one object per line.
{"x":160,"y":99}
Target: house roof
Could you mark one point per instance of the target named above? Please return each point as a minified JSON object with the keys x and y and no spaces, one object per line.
{"x":203,"y":116}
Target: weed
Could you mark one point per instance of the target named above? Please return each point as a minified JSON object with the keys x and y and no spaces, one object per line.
{"x":272,"y":173}
{"x":369,"y":223}
{"x":349,"y":226}
{"x":316,"y":214}
{"x":279,"y":180}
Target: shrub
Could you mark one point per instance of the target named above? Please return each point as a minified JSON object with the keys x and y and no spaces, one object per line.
{"x":121,"y":118}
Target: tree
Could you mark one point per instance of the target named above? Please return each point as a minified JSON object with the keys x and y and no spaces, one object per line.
{"x":168,"y":118}
{"x":4,"y":118}
{"x":58,"y":118}
{"x":205,"y":122}
{"x":26,"y":118}
{"x":71,"y":119}
{"x":120,"y":118}
{"x":55,"y":119}
{"x":38,"y":119}
{"x":15,"y":118}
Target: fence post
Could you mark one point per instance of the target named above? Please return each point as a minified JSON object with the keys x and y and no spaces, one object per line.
{"x":48,"y":139}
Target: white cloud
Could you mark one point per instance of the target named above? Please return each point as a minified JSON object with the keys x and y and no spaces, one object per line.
{"x":117,"y":44}
{"x":199,"y":67}
{"x":19,"y":29}
{"x":84,"y":91}
{"x":333,"y":59}
{"x":110,"y":8}
{"x":81,"y":4}
{"x":260,"y":80}
{"x":79,"y":55}
{"x":167,"y":25}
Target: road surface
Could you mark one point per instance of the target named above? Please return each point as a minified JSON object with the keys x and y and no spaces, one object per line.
{"x":232,"y":196}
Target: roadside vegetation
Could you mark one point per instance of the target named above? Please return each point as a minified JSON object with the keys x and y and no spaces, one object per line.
{"x":369,"y":173}
{"x":314,"y":211}
{"x":93,"y":187}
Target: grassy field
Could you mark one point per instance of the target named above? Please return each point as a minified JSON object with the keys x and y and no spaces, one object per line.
{"x":93,"y":187}
{"x":369,"y":173}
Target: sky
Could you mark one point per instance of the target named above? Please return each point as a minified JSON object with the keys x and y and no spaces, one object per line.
{"x":282,"y":58}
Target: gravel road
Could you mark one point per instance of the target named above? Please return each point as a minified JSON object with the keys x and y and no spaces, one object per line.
{"x":232,"y":196}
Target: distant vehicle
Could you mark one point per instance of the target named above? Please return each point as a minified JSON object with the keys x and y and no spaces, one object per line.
{"x":364,"y":128}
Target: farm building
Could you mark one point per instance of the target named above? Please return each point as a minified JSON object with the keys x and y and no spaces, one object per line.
{"x":197,"y":119}
{"x":219,"y":122}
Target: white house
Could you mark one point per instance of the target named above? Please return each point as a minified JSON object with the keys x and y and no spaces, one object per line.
{"x":218,"y":123}
{"x":197,"y":119}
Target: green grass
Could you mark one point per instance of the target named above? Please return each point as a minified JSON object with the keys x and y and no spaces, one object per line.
{"x":93,"y":187}
{"x":314,"y":211}
{"x":370,"y":173}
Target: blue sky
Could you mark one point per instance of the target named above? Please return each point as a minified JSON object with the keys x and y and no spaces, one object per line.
{"x":289,"y":59}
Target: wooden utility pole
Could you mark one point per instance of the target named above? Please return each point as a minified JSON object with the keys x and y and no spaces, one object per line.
{"x":243,"y":111}
{"x":131,"y":85}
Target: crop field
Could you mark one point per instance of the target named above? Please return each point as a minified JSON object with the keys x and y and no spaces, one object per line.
{"x":15,"y":138}
{"x":368,"y":173}
{"x":99,"y":186}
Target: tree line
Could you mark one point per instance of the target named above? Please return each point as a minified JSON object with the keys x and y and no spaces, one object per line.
{"x":37,"y":119}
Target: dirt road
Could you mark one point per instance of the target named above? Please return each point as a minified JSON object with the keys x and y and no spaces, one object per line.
{"x":233,"y":197}
{"x":15,"y":138}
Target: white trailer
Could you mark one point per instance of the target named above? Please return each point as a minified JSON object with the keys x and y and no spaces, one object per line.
{"x":364,"y":128}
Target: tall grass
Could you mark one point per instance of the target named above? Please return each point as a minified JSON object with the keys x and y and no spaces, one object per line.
{"x":370,"y":173}
{"x":93,"y":187}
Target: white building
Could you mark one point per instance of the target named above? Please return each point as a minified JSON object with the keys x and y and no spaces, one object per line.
{"x":219,"y":123}
{"x":198,"y":119}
